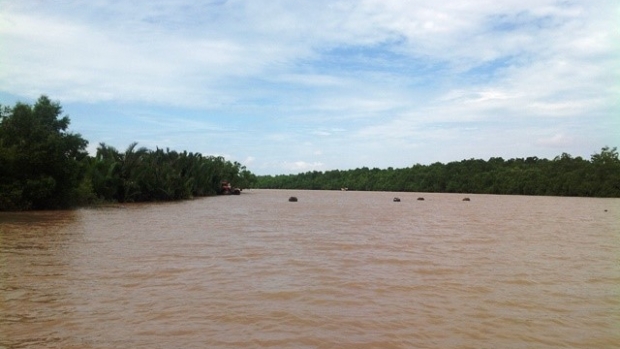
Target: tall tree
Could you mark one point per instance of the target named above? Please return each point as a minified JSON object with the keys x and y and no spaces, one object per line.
{"x":607,"y":172}
{"x":40,"y":160}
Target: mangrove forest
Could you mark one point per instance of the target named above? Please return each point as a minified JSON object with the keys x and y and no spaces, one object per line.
{"x":565,"y":175}
{"x":45,"y":166}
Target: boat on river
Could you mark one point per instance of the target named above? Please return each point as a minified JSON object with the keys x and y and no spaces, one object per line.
{"x":227,"y":189}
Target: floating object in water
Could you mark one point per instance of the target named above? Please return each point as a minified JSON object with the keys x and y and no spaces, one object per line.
{"x":292,"y":199}
{"x":396,"y":200}
{"x":420,"y":199}
{"x":466,"y":199}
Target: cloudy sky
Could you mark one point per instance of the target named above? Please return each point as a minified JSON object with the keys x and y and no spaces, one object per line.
{"x":288,"y":86}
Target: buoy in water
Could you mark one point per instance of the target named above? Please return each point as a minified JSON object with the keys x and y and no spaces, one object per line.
{"x":420,"y":199}
{"x":466,"y":199}
{"x":292,"y":199}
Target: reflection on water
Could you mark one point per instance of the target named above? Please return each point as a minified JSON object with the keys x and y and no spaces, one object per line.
{"x":333,"y":270}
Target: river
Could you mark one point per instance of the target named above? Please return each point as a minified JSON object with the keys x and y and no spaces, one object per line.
{"x":333,"y":270}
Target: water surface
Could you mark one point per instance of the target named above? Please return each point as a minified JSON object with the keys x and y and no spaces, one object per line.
{"x":333,"y":270}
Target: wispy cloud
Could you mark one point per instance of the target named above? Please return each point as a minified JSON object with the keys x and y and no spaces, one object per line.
{"x":374,"y":82}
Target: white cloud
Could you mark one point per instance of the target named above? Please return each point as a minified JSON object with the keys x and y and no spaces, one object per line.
{"x":302,"y":166}
{"x":557,"y":140}
{"x":391,"y":78}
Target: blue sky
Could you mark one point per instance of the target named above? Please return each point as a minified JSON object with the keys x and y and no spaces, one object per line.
{"x":292,"y":86}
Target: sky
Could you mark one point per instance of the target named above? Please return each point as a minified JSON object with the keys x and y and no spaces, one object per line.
{"x":285,"y":86}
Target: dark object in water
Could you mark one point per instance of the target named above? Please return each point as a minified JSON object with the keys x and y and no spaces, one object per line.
{"x":420,"y":199}
{"x":466,"y":199}
{"x":227,"y":189}
{"x":292,"y":199}
{"x":396,"y":200}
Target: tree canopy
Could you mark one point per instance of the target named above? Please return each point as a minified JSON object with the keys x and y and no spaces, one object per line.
{"x":41,"y":160}
{"x":563,"y":176}
{"x":44,"y":166}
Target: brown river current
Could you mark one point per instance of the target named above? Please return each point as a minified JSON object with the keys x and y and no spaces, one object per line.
{"x":333,"y":270}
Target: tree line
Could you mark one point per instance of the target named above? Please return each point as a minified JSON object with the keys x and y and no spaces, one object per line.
{"x":45,"y":166}
{"x":562,"y":176}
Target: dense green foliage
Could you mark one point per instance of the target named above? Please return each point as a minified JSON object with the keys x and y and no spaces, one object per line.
{"x":145,"y":175}
{"x":563,"y":176}
{"x":40,"y":162}
{"x":43,"y":166}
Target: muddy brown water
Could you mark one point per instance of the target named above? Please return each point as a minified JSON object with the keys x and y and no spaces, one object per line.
{"x":333,"y":270}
